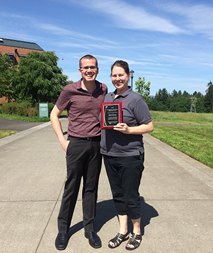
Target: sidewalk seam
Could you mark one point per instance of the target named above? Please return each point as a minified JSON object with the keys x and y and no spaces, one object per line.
{"x":48,"y":221}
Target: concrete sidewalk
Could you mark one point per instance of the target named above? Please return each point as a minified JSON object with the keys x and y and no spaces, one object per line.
{"x":177,"y":199}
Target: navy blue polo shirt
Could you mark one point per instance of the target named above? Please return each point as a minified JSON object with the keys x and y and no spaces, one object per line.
{"x":135,"y":112}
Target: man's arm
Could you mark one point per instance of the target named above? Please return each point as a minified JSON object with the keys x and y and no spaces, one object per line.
{"x":56,"y":124}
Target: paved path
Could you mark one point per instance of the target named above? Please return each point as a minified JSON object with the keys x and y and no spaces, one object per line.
{"x":177,"y":199}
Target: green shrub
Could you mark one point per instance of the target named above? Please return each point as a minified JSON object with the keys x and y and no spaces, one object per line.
{"x":19,"y":108}
{"x":32,"y":112}
{"x":50,"y":107}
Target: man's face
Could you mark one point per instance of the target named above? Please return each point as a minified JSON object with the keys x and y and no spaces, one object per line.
{"x":88,"y":69}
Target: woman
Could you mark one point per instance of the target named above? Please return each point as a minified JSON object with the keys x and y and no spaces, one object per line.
{"x":123,"y":152}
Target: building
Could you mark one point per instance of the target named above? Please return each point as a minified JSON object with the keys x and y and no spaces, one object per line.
{"x":17,"y":48}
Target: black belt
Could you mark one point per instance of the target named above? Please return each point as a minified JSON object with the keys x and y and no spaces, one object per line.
{"x":94,"y":138}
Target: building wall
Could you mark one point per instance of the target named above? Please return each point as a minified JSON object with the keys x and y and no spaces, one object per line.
{"x":17,"y":53}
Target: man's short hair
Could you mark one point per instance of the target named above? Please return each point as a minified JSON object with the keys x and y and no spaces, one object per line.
{"x":88,"y":56}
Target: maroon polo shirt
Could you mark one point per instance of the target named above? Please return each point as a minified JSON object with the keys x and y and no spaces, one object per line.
{"x":83,"y":108}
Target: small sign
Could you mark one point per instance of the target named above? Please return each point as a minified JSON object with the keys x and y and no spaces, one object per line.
{"x":43,"y":110}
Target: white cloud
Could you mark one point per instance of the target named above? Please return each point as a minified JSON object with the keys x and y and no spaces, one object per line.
{"x":129,"y":16}
{"x":54,"y":29}
{"x":11,"y":15}
{"x":196,"y":18}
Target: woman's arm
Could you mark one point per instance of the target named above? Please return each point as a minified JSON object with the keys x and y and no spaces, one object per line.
{"x":141,"y":129}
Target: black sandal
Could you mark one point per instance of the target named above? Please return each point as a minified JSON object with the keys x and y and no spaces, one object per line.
{"x":117,"y":240}
{"x":134,"y":242}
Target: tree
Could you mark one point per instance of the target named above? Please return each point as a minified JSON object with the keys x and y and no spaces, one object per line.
{"x":39,"y":79}
{"x":162,"y":98}
{"x":6,"y":76}
{"x":143,"y":88}
{"x":180,"y":102}
{"x":208,"y":100}
{"x":174,"y":94}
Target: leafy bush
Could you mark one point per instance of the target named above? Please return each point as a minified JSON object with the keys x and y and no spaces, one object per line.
{"x":50,"y":107}
{"x":32,"y":112}
{"x":22,"y":109}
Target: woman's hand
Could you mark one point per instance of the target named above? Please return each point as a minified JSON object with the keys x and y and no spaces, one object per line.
{"x":122,"y":127}
{"x":138,"y":130}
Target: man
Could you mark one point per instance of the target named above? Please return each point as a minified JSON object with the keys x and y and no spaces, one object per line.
{"x":82,"y":101}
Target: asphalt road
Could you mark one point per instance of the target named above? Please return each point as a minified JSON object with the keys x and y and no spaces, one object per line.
{"x":17,"y":125}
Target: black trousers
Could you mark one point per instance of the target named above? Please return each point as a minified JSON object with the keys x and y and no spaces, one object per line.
{"x":124,"y":174}
{"x":83,"y":161}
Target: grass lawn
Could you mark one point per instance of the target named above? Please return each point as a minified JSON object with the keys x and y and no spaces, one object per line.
{"x":23,"y":118}
{"x":5,"y":133}
{"x":191,"y":133}
{"x":182,"y":117}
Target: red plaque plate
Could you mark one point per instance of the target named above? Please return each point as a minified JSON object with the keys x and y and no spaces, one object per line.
{"x":111,"y":114}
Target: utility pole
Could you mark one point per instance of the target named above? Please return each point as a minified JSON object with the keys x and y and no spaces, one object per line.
{"x":131,"y":76}
{"x":193,"y":104}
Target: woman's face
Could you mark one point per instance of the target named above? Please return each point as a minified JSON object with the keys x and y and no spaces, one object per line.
{"x":120,"y":79}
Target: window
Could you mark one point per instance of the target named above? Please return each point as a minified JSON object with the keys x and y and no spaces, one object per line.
{"x":12,"y":58}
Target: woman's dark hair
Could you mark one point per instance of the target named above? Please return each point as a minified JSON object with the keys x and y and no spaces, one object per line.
{"x":122,"y":64}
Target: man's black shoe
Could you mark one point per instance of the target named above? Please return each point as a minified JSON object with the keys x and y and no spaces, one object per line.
{"x":61,"y":241}
{"x":94,"y":239}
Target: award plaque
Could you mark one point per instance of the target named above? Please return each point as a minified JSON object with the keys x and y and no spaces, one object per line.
{"x":111,"y":114}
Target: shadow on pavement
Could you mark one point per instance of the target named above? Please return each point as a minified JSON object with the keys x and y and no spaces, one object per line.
{"x":106,"y":211}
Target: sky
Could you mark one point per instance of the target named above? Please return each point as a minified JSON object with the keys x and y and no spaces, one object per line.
{"x":169,"y":43}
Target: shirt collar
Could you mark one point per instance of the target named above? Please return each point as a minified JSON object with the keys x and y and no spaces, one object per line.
{"x":96,"y":90}
{"x":78,"y":85}
{"x":124,"y":94}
